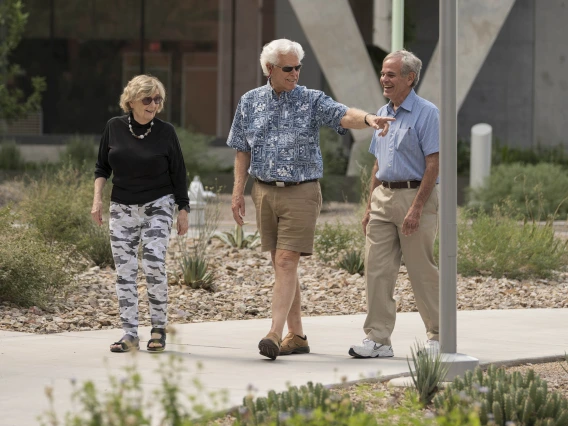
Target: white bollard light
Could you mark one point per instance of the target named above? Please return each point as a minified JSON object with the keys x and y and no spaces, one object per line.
{"x":480,"y":162}
{"x":196,"y":203}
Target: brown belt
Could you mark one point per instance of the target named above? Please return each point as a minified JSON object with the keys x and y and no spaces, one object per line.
{"x":282,"y":184}
{"x":401,"y":185}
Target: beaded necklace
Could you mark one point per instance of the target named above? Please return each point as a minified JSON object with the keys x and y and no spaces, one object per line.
{"x":141,"y":136}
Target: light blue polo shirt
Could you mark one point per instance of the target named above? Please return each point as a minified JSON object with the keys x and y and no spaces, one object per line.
{"x":414,"y":135}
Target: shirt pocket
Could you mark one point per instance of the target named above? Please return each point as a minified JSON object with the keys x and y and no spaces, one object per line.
{"x":406,"y":139}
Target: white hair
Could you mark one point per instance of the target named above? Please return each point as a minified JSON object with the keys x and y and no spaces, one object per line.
{"x":271,"y":51}
{"x":410,"y":63}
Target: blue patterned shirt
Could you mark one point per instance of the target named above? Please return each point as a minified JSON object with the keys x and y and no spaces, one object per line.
{"x":282,"y":132}
{"x":414,"y":135}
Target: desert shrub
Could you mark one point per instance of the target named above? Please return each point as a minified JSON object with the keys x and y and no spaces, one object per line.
{"x":499,"y":245}
{"x":195,"y":150}
{"x":536,"y":191}
{"x":80,"y":152}
{"x":58,"y":205}
{"x":10,"y":156}
{"x":31,"y":271}
{"x":95,"y":244}
{"x":333,"y":239}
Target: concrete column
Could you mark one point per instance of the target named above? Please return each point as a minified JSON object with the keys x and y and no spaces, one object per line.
{"x":382,"y":32}
{"x":480,"y":23}
{"x":551,"y":73}
{"x":336,"y":40}
{"x":240,"y":38}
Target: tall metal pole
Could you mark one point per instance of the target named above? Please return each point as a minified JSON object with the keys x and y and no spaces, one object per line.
{"x":142,"y":19}
{"x":397,"y":25}
{"x":448,"y":177}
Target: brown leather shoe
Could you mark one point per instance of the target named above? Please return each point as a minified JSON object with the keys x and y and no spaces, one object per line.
{"x":270,"y":346}
{"x":294,"y":344}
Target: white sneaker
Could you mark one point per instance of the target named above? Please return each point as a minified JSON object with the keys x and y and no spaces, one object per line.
{"x":370,"y":349}
{"x":432,"y":347}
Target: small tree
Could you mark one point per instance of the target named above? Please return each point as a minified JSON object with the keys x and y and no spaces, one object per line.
{"x":13,"y":104}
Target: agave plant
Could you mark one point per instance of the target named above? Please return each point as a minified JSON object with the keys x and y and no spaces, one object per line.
{"x":428,"y":373}
{"x":195,"y":271}
{"x":353,"y":262}
{"x":238,"y":238}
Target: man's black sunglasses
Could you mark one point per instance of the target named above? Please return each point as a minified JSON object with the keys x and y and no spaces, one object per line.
{"x":289,"y":69}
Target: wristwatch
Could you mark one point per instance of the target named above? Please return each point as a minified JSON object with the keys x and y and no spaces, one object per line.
{"x":186,"y":208}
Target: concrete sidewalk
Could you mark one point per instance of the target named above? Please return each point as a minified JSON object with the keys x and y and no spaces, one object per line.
{"x":229,"y":356}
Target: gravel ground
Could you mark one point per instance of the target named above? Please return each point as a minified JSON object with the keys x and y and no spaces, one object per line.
{"x":244,"y":281}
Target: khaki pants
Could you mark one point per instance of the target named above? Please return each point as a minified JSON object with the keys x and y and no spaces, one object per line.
{"x":385,"y":245}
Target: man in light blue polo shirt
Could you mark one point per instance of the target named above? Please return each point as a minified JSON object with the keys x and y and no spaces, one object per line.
{"x":402,"y":213}
{"x":276,"y":135}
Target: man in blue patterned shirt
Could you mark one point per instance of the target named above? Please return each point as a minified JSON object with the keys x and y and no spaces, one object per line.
{"x":402,"y":212}
{"x":276,"y":134}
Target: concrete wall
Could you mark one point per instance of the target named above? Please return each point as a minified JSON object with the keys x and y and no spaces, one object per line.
{"x":287,"y":26}
{"x":502,"y":93}
{"x":551,"y":73}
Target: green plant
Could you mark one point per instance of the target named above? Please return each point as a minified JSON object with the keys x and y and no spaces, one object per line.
{"x":79,"y":152}
{"x":353,"y":262}
{"x":331,"y":240}
{"x":196,"y":152}
{"x":95,"y":245}
{"x":58,"y":205}
{"x":535,"y":191}
{"x":193,"y":262}
{"x":31,"y":271}
{"x":238,"y":238}
{"x":503,"y":397}
{"x":310,"y":405}
{"x":501,"y":246}
{"x":125,"y":403}
{"x":196,"y":273}
{"x":10,"y":156}
{"x":13,"y":105}
{"x":428,"y":372}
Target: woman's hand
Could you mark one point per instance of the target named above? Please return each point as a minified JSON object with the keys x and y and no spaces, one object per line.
{"x":182,"y":222}
{"x":97,"y":211}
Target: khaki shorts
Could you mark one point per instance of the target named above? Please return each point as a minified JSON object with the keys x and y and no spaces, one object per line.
{"x":286,"y":217}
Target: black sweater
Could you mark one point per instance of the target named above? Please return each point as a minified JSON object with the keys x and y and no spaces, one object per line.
{"x":144,"y":169}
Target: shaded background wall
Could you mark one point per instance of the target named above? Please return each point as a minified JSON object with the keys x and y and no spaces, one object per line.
{"x":206,"y":53}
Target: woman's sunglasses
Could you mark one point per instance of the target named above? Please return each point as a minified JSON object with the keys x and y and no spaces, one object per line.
{"x":289,"y":69}
{"x":148,"y":100}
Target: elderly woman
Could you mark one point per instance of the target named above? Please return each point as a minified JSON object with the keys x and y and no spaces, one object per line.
{"x":144,"y":154}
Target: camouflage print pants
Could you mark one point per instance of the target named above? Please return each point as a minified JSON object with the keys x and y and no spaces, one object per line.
{"x":150,"y":224}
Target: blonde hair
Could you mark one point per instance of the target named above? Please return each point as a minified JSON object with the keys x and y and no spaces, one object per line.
{"x":140,"y":87}
{"x":271,"y":52}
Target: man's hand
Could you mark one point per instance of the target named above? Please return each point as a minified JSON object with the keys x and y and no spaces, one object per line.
{"x":182,"y":222}
{"x":238,"y":208}
{"x":365,"y":221}
{"x":411,"y":221}
{"x":378,"y":123}
{"x":97,"y":212}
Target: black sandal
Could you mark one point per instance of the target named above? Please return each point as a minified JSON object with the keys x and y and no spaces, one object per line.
{"x":127,"y":343}
{"x":161,"y":340}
